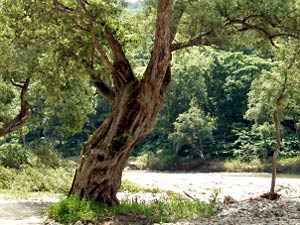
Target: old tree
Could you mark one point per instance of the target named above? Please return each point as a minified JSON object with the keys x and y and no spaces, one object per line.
{"x":91,"y":41}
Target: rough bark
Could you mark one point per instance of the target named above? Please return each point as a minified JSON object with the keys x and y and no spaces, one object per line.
{"x":135,"y":106}
{"x":20,"y":119}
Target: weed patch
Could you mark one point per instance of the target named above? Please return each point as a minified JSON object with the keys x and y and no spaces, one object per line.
{"x":166,"y":209}
{"x":36,"y":179}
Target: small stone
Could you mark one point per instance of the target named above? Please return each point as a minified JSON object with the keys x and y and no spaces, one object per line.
{"x":78,"y":223}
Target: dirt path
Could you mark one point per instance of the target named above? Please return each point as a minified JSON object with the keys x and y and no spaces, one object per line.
{"x":21,"y":212}
{"x":24,"y":212}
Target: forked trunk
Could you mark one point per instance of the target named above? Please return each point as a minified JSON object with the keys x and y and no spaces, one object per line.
{"x":98,"y":176}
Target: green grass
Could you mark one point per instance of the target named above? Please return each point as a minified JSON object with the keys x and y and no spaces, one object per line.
{"x":166,"y":209}
{"x":289,"y":165}
{"x":36,"y":179}
{"x":240,"y":166}
{"x":133,"y":187}
{"x":285,"y":165}
{"x":21,"y":195}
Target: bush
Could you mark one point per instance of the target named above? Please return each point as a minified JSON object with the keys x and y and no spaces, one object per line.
{"x":6,"y":177}
{"x":14,"y":155}
{"x":32,"y":179}
{"x":38,"y":169}
{"x":156,"y":161}
{"x":47,"y":156}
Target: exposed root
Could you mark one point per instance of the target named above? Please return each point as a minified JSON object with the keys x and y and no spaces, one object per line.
{"x":229,"y":200}
{"x":270,"y":196}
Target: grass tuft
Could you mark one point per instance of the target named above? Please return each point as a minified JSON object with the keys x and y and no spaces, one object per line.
{"x":166,"y":209}
{"x":132,"y":187}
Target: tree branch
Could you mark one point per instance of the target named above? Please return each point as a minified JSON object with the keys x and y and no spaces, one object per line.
{"x":268,"y":34}
{"x":123,"y":71}
{"x":17,"y":83}
{"x":105,"y":92}
{"x":161,"y":56}
{"x":177,"y":13}
{"x":192,"y":42}
{"x":21,"y":118}
{"x":62,"y":8}
{"x":98,"y":47}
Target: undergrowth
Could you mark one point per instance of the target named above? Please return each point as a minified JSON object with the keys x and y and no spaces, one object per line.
{"x":36,"y":179}
{"x":34,"y":170}
{"x":285,"y":165}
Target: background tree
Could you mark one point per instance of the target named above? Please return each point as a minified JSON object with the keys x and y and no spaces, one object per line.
{"x":193,"y":132}
{"x":274,"y":92}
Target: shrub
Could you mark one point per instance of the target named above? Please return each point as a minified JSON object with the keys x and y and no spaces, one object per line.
{"x":13,"y":155}
{"x":6,"y":177}
{"x":47,"y":156}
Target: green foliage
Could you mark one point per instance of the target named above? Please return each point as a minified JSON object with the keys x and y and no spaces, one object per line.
{"x":217,"y":82}
{"x":285,"y":165}
{"x":193,"y":131}
{"x":274,"y":91}
{"x":291,"y":146}
{"x":36,"y":179}
{"x":57,"y":54}
{"x":258,"y":142}
{"x":160,"y":160}
{"x":13,"y":155}
{"x":166,"y":160}
{"x":8,"y":106}
{"x":47,"y":156}
{"x":39,"y":169}
{"x":253,"y":165}
{"x":165,"y":209}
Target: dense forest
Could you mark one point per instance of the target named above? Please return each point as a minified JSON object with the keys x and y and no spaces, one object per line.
{"x":218,"y":106}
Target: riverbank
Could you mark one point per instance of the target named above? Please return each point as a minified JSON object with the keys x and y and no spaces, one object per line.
{"x":240,"y":186}
{"x":285,"y":165}
{"x":245,"y":188}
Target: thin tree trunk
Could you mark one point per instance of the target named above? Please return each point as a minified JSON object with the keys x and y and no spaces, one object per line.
{"x":297,"y":132}
{"x":277,"y":109}
{"x":276,"y":151}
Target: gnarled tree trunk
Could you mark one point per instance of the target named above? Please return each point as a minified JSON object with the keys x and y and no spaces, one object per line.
{"x":104,"y":157}
{"x":136,"y":104}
